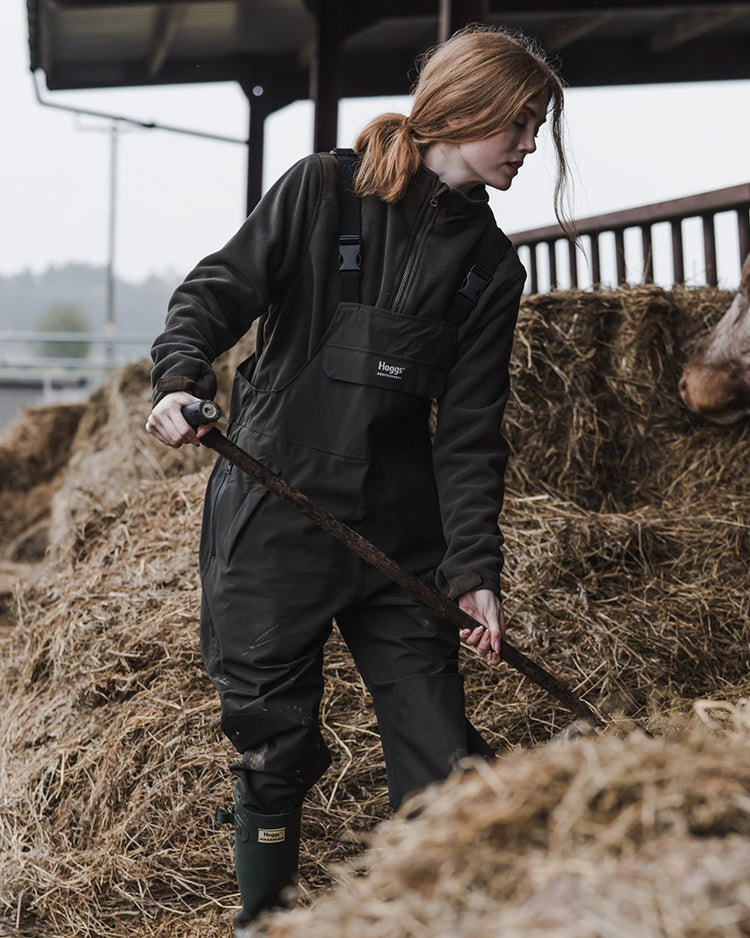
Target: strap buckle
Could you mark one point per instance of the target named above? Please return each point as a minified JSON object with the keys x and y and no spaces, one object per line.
{"x":350,"y":256}
{"x":474,"y":284}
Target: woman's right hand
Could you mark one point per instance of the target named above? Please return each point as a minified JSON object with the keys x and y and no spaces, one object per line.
{"x":167,"y":424}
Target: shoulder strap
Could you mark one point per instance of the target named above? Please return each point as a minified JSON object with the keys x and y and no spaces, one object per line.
{"x":350,"y":240}
{"x":492,"y":251}
{"x":480,"y":273}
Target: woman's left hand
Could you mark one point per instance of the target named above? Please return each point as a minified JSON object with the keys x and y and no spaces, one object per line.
{"x":484,"y":606}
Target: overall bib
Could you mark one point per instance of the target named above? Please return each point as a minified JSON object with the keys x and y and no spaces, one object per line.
{"x":351,"y":431}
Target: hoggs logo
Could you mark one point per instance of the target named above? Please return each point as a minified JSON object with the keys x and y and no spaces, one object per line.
{"x":386,"y":370}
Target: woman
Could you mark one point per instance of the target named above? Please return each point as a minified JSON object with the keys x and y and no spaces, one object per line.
{"x":358,"y":332}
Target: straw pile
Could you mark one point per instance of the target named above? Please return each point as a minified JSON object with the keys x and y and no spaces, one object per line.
{"x":33,"y":450}
{"x":612,"y":837}
{"x":627,"y":537}
{"x":594,"y":416}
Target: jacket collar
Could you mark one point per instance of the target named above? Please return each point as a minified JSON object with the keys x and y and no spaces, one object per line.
{"x":454,"y":206}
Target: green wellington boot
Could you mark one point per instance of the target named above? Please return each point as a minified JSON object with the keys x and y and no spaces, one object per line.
{"x":266,"y":855}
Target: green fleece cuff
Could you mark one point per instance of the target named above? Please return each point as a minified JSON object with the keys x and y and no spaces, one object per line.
{"x":463,"y":583}
{"x":203,"y":387}
{"x":469,"y":581}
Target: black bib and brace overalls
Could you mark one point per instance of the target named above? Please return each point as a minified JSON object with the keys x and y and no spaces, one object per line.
{"x":351,"y":430}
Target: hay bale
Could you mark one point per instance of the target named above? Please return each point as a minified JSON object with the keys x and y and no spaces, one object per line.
{"x":33,"y":450}
{"x":594,"y":415}
{"x":36,"y":445}
{"x":633,"y":837}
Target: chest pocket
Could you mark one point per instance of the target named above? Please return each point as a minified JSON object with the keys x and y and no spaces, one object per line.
{"x":375,"y":348}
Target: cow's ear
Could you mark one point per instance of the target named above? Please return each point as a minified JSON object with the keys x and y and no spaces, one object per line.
{"x":745,"y":277}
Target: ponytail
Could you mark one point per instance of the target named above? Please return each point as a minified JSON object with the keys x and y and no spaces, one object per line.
{"x":389,"y":157}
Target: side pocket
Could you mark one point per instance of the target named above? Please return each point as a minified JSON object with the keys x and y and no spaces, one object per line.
{"x":235,"y":520}
{"x":237,"y":498}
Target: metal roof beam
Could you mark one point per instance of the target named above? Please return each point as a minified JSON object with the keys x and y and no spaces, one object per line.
{"x":384,"y":8}
{"x":282,"y":77}
{"x":168,"y":21}
{"x":686,"y":27}
{"x":500,"y":7}
{"x":455,"y":14}
{"x":574,"y":28}
{"x":715,"y":60}
{"x":325,"y":73}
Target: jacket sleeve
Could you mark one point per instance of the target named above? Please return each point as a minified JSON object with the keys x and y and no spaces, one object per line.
{"x":222,"y":296}
{"x":469,"y":453}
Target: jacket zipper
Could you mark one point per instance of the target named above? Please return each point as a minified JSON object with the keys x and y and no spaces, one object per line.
{"x":411,"y":260}
{"x":217,"y":504}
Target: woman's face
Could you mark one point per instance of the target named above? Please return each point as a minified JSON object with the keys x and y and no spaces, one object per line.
{"x":496,"y":160}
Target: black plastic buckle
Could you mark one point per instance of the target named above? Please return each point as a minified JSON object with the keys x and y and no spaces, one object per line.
{"x":474,"y":285}
{"x":349,"y":253}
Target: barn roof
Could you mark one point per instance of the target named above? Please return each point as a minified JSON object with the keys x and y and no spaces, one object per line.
{"x":272,"y":43}
{"x":280,"y":51}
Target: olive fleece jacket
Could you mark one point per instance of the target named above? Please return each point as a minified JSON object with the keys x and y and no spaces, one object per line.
{"x":282,"y":267}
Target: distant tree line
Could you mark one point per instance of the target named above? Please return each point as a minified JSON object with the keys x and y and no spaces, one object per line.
{"x":73,"y":298}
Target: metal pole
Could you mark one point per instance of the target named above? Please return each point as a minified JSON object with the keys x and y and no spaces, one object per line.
{"x":325,"y":75}
{"x":709,"y":248}
{"x":110,"y":323}
{"x":454,"y":14}
{"x":255,"y":142}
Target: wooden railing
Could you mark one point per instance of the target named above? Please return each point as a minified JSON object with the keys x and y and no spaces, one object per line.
{"x":705,"y":207}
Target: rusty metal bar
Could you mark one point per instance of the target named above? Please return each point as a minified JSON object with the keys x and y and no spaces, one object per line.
{"x":648,"y":254}
{"x":743,"y":230}
{"x":572,"y":264}
{"x":620,"y":255}
{"x":534,"y":272}
{"x":596,"y":265}
{"x":709,"y":248}
{"x":704,"y":205}
{"x":720,"y":200}
{"x":552,"y":264}
{"x":678,"y":253}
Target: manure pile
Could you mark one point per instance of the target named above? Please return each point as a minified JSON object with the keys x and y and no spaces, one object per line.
{"x":627,"y":526}
{"x":586,"y":839}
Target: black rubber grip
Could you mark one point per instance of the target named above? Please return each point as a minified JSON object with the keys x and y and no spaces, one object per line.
{"x":201,"y":412}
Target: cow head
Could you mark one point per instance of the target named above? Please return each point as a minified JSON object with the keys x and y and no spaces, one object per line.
{"x":716,"y":380}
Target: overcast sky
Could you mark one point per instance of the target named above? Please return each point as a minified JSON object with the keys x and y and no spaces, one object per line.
{"x":180,"y":197}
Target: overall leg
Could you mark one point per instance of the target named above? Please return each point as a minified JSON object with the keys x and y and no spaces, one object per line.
{"x":269,"y":678}
{"x":269,"y":711}
{"x":263,"y":626}
{"x":408,"y":658}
